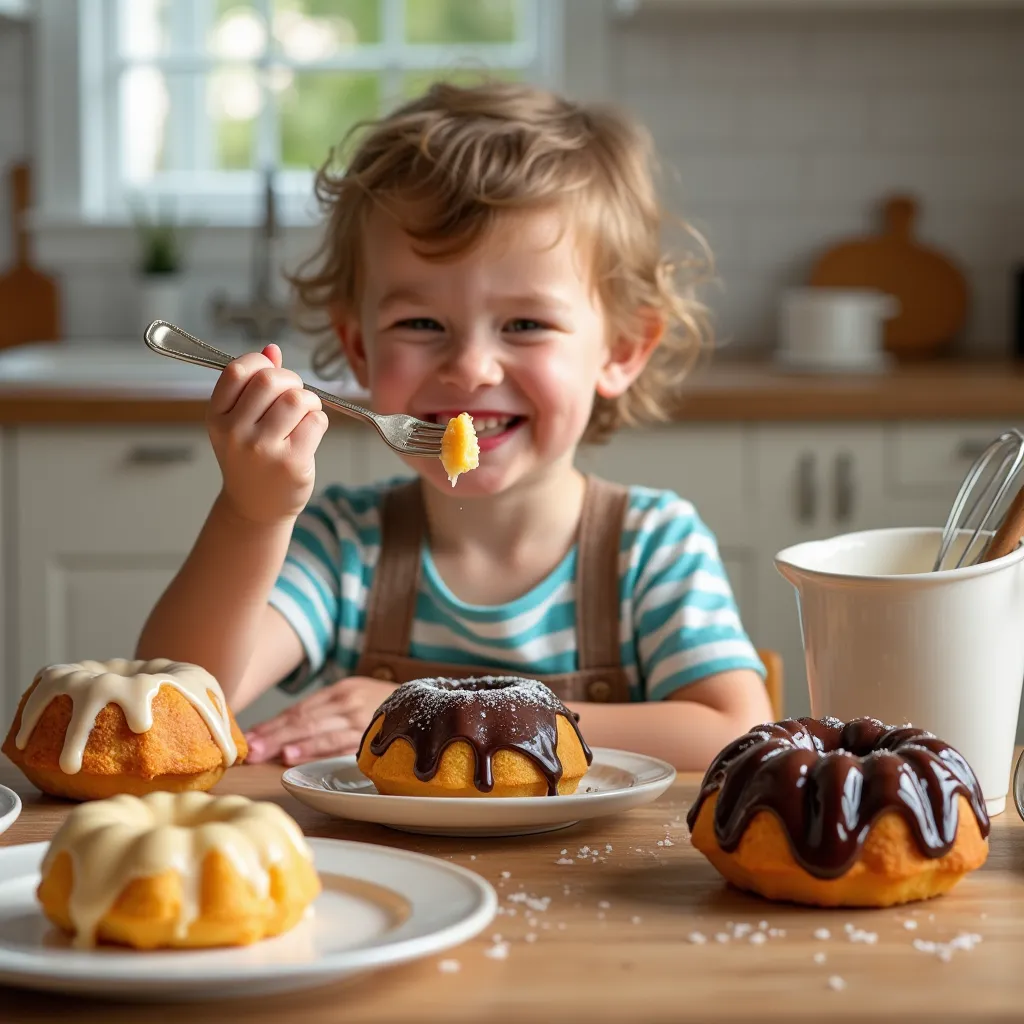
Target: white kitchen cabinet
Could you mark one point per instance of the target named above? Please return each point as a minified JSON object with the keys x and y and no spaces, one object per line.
{"x":811,"y":482}
{"x":103,"y":519}
{"x":925,"y":465}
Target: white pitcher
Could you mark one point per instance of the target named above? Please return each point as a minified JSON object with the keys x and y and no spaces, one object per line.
{"x":885,"y":636}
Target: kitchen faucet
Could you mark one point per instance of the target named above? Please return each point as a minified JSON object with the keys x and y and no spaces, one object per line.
{"x":261,"y":317}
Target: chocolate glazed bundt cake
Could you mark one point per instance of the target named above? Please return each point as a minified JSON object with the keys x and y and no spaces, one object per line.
{"x":838,"y":813}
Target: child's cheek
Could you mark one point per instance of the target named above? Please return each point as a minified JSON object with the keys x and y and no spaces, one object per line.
{"x":394,"y":376}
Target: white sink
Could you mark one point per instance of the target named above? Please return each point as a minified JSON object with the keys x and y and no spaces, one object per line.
{"x":126,"y":367}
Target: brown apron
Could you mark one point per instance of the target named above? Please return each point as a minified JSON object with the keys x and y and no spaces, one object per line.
{"x":392,"y":601}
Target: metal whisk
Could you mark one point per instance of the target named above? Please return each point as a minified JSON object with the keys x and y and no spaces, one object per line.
{"x":1011,"y":444}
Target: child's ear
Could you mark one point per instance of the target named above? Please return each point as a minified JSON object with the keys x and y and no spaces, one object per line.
{"x":628,"y":354}
{"x":353,"y":345}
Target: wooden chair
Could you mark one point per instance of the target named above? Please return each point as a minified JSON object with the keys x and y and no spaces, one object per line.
{"x":773,"y":680}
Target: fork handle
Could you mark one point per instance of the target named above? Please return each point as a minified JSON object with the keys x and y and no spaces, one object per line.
{"x":168,"y":340}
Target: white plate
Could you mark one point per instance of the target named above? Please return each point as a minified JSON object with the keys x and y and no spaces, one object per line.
{"x":617,"y":780}
{"x":379,"y":907}
{"x":10,"y":808}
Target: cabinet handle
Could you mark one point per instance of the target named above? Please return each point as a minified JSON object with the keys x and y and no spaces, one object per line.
{"x":806,"y":491}
{"x":160,"y":455}
{"x":844,"y":486}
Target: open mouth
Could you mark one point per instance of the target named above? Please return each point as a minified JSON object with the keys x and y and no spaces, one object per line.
{"x":486,"y":425}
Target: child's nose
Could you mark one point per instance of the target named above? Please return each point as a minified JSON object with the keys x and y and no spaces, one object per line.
{"x":472,"y":363}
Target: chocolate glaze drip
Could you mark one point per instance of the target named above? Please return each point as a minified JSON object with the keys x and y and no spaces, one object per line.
{"x":827,"y":781}
{"x":490,"y":713}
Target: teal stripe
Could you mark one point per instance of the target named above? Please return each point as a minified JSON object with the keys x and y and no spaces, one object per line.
{"x":448,"y":604}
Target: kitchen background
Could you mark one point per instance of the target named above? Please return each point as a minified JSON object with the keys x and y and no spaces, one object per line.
{"x":781,"y":128}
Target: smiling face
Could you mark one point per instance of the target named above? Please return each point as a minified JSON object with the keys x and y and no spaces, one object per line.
{"x":511,"y":331}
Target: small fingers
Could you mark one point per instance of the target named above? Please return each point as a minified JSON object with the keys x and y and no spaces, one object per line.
{"x":287,"y":411}
{"x":307,"y":435}
{"x":266,"y":745}
{"x":336,"y":742}
{"x":262,"y":390}
{"x":233,"y":379}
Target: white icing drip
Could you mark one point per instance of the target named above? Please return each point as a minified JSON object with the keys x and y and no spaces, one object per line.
{"x":132,"y":685}
{"x":115,"y":841}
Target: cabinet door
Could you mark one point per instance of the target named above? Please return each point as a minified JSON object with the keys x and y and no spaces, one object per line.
{"x":812,"y":482}
{"x":104,"y":518}
{"x":705,"y":465}
{"x":926,"y":463}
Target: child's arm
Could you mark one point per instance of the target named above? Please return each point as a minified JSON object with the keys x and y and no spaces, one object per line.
{"x":265,"y":429}
{"x":688,"y":728}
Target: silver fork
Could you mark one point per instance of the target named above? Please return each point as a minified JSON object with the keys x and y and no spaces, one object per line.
{"x":404,"y":434}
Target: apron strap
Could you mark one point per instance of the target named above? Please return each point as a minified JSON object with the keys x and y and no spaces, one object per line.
{"x":391,"y":606}
{"x":597,"y":574}
{"x":392,"y":602}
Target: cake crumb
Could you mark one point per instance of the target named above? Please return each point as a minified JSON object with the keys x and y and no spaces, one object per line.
{"x":564,"y":860}
{"x":697,"y":938}
{"x":822,"y":933}
{"x":603,"y":904}
{"x":910,"y":925}
{"x":836,"y":983}
{"x":499,"y":951}
{"x":531,"y":937}
{"x":635,"y":919}
{"x":721,"y":937}
{"x":449,"y":966}
{"x":820,"y":958}
{"x":506,"y":874}
{"x":758,"y":938}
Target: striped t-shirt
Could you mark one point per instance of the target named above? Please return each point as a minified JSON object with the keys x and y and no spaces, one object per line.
{"x":678,"y":620}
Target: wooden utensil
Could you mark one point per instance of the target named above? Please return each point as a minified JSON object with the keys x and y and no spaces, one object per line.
{"x":1010,"y":532}
{"x":931,"y":290}
{"x":29,"y":299}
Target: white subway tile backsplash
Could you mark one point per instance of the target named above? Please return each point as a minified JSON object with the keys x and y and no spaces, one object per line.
{"x":805,"y":117}
{"x":750,"y":178}
{"x":788,"y":131}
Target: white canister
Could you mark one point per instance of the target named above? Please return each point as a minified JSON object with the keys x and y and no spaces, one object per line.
{"x":159,"y":298}
{"x":834,"y":328}
{"x":887,"y":638}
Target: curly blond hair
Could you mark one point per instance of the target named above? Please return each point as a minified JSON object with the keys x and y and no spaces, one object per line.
{"x":461,"y":156}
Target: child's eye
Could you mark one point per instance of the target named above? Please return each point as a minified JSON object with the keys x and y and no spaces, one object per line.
{"x":420,"y":323}
{"x":518,"y":326}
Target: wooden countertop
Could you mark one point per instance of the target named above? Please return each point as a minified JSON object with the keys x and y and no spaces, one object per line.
{"x":625,"y":952}
{"x":723,"y":391}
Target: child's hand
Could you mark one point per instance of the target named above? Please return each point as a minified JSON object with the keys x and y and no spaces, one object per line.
{"x":265,"y":429}
{"x":328,"y":723}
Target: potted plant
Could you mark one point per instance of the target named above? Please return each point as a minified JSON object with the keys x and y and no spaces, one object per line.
{"x":160,"y":266}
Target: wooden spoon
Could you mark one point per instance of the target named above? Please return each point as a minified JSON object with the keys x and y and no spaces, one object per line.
{"x":1011,"y":530}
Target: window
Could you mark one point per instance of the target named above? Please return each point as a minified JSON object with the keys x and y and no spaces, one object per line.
{"x":186,"y":101}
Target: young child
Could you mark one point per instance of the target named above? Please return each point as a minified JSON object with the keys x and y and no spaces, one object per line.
{"x":492,"y":250}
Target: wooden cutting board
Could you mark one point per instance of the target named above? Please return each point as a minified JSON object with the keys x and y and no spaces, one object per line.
{"x":930,"y":288}
{"x":29,"y":299}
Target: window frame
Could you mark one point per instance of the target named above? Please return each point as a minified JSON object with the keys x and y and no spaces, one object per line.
{"x":74,"y":179}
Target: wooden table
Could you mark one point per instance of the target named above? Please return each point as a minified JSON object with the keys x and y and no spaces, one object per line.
{"x":616,"y":942}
